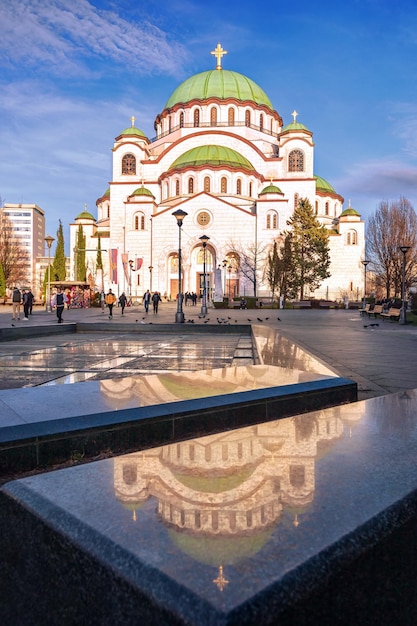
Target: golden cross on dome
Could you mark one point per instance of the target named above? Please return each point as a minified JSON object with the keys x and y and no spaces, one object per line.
{"x":85,"y":206}
{"x":219,"y":53}
{"x":220,"y":581}
{"x":294,"y":114}
{"x":132,"y":119}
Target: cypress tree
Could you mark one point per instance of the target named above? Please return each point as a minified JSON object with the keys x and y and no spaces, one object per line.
{"x":58,"y":270}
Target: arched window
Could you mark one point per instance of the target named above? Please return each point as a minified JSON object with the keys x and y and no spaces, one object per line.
{"x":196,"y":117}
{"x":213,"y":116}
{"x":177,"y":187}
{"x":108,"y":212}
{"x":129,"y":164}
{"x":207,"y":184}
{"x":169,"y":124}
{"x":231,"y":116}
{"x":317,"y":207}
{"x":139,"y":221}
{"x":296,"y":200}
{"x":182,"y":119}
{"x":247,"y":118}
{"x":166,"y":188}
{"x":351,"y":238}
{"x":223,"y":185}
{"x":296,"y":161}
{"x":191,"y":185}
{"x":261,"y":122}
{"x":272,"y":220}
{"x":326,"y":208}
{"x":239,"y":187}
{"x":250,"y":189}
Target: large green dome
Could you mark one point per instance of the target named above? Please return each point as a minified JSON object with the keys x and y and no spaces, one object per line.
{"x":211,"y":155}
{"x":218,"y":84}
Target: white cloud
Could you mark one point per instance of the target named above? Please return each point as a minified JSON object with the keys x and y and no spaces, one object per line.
{"x":59,"y":36}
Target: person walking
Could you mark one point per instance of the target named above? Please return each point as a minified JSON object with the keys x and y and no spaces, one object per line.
{"x":156,"y":299}
{"x":31,"y":298}
{"x":110,"y":300}
{"x":26,"y":304}
{"x":59,"y":301}
{"x":16,"y":301}
{"x":146,"y":300}
{"x":123,"y":301}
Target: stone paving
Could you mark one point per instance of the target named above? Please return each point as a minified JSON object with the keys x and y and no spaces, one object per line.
{"x":381,"y":358}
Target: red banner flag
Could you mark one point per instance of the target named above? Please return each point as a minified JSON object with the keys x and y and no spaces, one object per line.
{"x":113,"y":264}
{"x":139,"y":263}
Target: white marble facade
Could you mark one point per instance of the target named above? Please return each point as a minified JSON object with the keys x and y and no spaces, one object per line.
{"x":227,"y":160}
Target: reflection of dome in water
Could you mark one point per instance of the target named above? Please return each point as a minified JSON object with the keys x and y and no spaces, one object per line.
{"x":217,"y":550}
{"x":214,"y":483}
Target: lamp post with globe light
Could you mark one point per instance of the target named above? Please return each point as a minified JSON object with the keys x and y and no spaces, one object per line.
{"x":179,"y":215}
{"x":49,"y":241}
{"x":365,"y":264}
{"x":204,"y":239}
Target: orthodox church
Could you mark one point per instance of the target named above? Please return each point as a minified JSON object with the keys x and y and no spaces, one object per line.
{"x":223,"y":156}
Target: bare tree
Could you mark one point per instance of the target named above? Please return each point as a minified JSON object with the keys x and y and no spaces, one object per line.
{"x":394,"y":224}
{"x":251,"y":262}
{"x":13,"y":257}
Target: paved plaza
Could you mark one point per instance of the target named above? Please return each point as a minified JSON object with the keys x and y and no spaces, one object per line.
{"x":381,"y":356}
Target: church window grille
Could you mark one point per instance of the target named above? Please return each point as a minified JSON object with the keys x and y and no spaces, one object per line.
{"x":191,"y":185}
{"x":261,"y":122}
{"x":177,"y":187}
{"x":182,"y":518}
{"x":225,"y":452}
{"x":272,"y":220}
{"x":166,"y":190}
{"x":231,"y":116}
{"x":203,"y":218}
{"x":213,"y":116}
{"x":197,"y":519}
{"x":192,"y":452}
{"x":223,"y":185}
{"x":317,"y":207}
{"x":239,"y":187}
{"x":297,"y":476}
{"x":215,"y":520}
{"x":196,"y":118}
{"x":169,"y":124}
{"x":139,"y":222}
{"x":182,"y":119}
{"x":108,"y":212}
{"x":296,"y":161}
{"x":129,"y":164}
{"x":352,"y":238}
{"x":247,"y":118}
{"x":207,"y":454}
{"x":207,"y":184}
{"x":326,"y":208}
{"x":250,"y":189}
{"x":296,"y":199}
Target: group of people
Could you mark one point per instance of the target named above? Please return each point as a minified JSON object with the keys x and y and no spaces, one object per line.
{"x":24,"y":297}
{"x":190,"y":298}
{"x":155,"y":298}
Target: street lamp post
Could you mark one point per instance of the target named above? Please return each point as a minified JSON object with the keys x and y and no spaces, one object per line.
{"x":204,"y":239}
{"x":229,"y":269}
{"x":130,"y":278}
{"x":224,"y":277}
{"x":403,"y":314}
{"x":49,"y":240}
{"x":179,"y":215}
{"x":364,"y":263}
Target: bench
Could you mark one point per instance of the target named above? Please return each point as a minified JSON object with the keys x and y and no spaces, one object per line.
{"x":301,"y":304}
{"x":264,"y":302}
{"x":328,"y":304}
{"x":393,"y":314}
{"x":365,"y":311}
{"x":377,"y":310}
{"x":236,"y":304}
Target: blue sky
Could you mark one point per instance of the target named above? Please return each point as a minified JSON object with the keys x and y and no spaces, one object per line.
{"x":73,"y":73}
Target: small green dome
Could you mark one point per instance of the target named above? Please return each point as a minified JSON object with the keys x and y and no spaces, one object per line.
{"x":142,"y":191}
{"x":106,"y":193}
{"x":132,"y":130}
{"x":323,"y":186}
{"x":271,"y":189}
{"x":85,"y":215}
{"x":211,"y":155}
{"x":350,"y":211}
{"x":218,"y":84}
{"x":294,"y":126}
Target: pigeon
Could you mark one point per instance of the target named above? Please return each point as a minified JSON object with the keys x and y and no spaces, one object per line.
{"x":267,"y":318}
{"x":249,"y":320}
{"x":136,"y":320}
{"x":259,"y":319}
{"x":205,"y":321}
{"x":365,"y":326}
{"x":229,"y":318}
{"x":279,"y":319}
{"x":13,"y":325}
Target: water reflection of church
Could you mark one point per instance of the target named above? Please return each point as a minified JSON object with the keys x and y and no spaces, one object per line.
{"x":230,"y":485}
